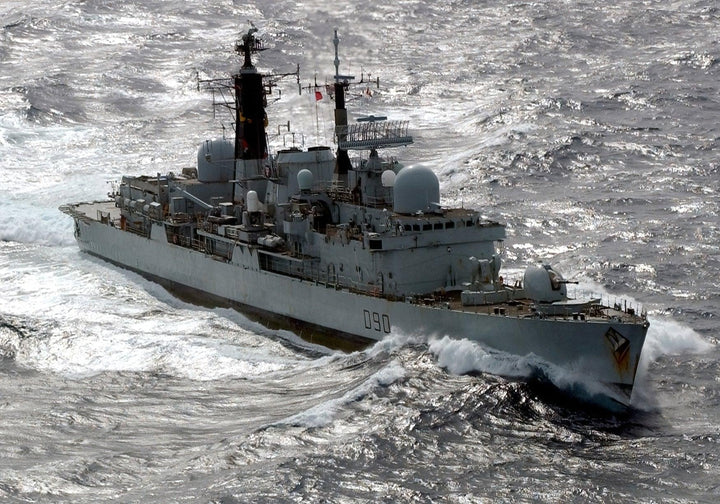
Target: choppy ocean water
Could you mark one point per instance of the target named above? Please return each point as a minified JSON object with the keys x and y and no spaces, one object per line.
{"x":590,"y":129}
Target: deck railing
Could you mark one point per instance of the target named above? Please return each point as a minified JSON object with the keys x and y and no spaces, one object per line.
{"x":310,"y":270}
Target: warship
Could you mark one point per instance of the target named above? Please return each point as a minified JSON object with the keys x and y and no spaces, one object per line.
{"x":358,"y":247}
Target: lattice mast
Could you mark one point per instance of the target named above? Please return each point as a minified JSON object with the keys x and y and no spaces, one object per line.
{"x":371,"y":133}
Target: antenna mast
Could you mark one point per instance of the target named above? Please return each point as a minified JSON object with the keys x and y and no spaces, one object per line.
{"x":342,"y":163}
{"x":250,"y":116}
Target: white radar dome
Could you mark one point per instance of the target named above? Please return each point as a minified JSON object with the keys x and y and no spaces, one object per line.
{"x":416,"y":188}
{"x":216,"y":160}
{"x":305,"y":179}
{"x":388,"y":178}
{"x":544,"y":284}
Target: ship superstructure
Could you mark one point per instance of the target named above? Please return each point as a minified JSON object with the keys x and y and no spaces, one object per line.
{"x":355,"y":246}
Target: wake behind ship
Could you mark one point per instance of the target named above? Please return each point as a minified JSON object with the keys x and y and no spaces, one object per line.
{"x":357,"y":247}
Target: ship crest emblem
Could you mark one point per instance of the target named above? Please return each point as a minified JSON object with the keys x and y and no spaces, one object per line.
{"x":619,"y":344}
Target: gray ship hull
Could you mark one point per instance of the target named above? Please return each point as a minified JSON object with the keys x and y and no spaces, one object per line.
{"x":589,"y":347}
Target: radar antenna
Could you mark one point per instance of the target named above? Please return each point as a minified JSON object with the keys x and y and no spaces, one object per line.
{"x":250,"y":45}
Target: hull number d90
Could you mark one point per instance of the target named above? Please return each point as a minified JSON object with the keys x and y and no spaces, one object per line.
{"x":378,"y":322}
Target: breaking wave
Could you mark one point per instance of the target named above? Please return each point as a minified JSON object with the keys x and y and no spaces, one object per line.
{"x":324,"y":413}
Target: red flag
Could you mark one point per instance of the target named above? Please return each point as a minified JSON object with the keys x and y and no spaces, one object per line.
{"x":318,"y":96}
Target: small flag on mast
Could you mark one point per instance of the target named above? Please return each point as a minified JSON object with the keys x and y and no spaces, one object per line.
{"x":318,"y":96}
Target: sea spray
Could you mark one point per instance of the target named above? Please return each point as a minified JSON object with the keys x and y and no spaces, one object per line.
{"x":666,"y":337}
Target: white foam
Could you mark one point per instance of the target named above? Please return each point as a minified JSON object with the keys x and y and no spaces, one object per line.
{"x":666,"y":337}
{"x":460,"y":356}
{"x":393,"y":342}
{"x":669,"y":337}
{"x":97,"y":319}
{"x":34,"y":224}
{"x":464,"y":356}
{"x":180,"y":348}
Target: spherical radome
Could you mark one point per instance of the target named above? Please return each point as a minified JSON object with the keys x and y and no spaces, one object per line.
{"x":216,"y":160}
{"x":416,"y":188}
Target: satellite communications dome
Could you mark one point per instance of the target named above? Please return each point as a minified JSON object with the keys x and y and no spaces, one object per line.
{"x":216,"y":160}
{"x":416,"y":188}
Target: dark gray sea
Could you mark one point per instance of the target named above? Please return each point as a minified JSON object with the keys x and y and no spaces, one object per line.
{"x":592,"y":129}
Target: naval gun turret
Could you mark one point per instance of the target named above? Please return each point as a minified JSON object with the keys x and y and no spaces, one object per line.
{"x":544,"y":285}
